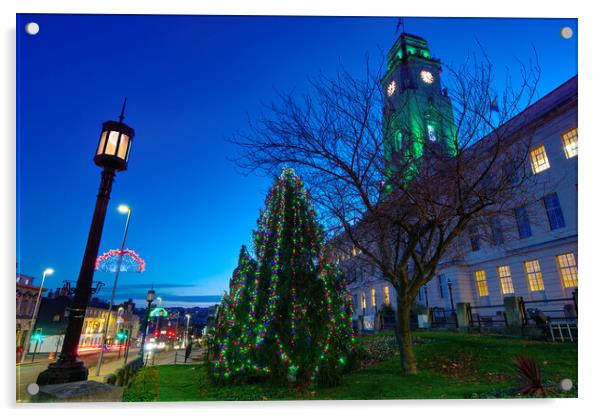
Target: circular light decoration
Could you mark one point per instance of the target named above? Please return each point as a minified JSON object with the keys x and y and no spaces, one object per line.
{"x":427,"y":77}
{"x":130,"y":262}
{"x":391,"y":88}
{"x":158,"y":312}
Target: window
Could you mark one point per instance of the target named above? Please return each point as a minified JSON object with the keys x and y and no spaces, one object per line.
{"x":56,"y":317}
{"x":475,"y":239}
{"x":386,"y":295}
{"x":442,"y":286}
{"x":431,"y":133}
{"x":553,"y":210}
{"x":534,"y":277}
{"x":373,"y":297}
{"x":423,"y":295}
{"x":539,"y":159}
{"x":363,"y":299}
{"x":481,"y":280}
{"x":569,"y":142}
{"x":496,"y":231}
{"x":505,"y":277}
{"x":567,"y":266}
{"x":522,"y":222}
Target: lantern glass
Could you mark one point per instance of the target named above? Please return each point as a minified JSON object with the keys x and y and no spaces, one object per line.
{"x":112,"y":142}
{"x":124,"y":144}
{"x":101,"y":142}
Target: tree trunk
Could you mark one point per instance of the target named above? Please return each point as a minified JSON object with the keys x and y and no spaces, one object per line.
{"x":404,"y":338}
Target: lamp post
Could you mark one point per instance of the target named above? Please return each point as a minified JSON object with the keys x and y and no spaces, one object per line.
{"x":122,"y":209}
{"x":186,"y":332}
{"x":34,"y":317}
{"x":112,"y":154}
{"x":150,"y":296}
{"x":159,"y":301}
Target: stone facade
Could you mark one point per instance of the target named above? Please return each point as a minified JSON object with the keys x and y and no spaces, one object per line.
{"x":541,"y":266}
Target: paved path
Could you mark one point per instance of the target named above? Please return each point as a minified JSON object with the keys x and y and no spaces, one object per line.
{"x":28,"y":372}
{"x":172,"y":357}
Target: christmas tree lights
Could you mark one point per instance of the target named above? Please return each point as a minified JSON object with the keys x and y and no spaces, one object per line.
{"x":287,"y":316}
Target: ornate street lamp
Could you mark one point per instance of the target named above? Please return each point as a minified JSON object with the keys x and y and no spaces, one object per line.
{"x":112,"y":154}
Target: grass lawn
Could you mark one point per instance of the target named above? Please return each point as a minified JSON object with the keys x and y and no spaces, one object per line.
{"x":451,"y":365}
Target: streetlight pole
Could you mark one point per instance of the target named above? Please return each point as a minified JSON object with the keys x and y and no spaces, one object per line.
{"x":149,"y":299}
{"x":34,"y":317}
{"x":122,"y":209}
{"x":186,"y":332}
{"x":159,"y":301}
{"x":112,"y":154}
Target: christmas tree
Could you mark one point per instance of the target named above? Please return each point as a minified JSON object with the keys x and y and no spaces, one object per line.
{"x":296,"y":307}
{"x":232,"y":334}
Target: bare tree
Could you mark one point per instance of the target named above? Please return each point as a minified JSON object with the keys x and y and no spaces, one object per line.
{"x":386,"y":189}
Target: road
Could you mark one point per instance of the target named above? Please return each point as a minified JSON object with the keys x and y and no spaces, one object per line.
{"x":28,"y":372}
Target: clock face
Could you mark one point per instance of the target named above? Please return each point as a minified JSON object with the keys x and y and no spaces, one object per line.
{"x":391,"y":88}
{"x":427,"y":77}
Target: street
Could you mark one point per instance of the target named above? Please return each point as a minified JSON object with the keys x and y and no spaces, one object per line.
{"x":28,"y":372}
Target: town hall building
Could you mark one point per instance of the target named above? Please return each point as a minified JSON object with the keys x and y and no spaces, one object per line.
{"x":538,"y":260}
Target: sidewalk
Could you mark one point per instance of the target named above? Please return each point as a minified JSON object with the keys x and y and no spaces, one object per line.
{"x":111,"y":366}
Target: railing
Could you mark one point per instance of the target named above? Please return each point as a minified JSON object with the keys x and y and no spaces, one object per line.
{"x":443,"y":319}
{"x":476,"y":318}
{"x":543,"y":312}
{"x":559,"y":324}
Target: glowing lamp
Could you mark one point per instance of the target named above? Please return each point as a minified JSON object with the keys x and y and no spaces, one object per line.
{"x":114,"y":146}
{"x":123,"y":209}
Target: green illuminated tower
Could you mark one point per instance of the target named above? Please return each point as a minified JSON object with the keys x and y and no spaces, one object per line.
{"x":417,"y":115}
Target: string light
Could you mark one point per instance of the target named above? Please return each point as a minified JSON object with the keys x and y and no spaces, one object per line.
{"x":288,"y":314}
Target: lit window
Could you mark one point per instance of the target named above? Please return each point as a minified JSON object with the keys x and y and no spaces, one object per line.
{"x":373,"y":297}
{"x":539,"y":159}
{"x":554,"y":211}
{"x":534,"y":277}
{"x":481,"y":280}
{"x":363,"y":299}
{"x":569,"y":140}
{"x":503,"y":273}
{"x":386,"y":295}
{"x":568,"y":269}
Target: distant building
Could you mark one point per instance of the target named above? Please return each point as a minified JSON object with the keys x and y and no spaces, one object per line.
{"x":53,"y":318}
{"x":27,"y":294}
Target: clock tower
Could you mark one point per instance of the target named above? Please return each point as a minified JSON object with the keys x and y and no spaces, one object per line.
{"x":417,"y":114}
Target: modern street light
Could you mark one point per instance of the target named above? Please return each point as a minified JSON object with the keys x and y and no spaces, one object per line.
{"x":122,"y":209}
{"x":34,"y":317}
{"x":112,"y":154}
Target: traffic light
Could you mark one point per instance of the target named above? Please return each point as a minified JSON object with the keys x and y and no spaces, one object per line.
{"x":37,"y":336}
{"x":121,"y":335}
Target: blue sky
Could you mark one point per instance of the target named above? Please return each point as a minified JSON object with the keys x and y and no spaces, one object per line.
{"x":191,"y":82}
